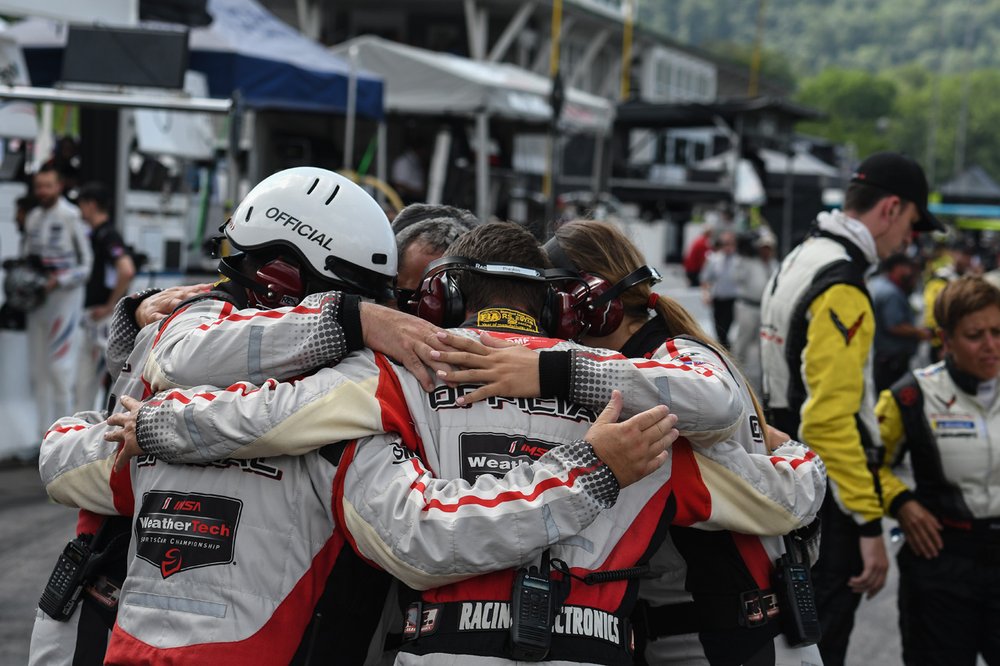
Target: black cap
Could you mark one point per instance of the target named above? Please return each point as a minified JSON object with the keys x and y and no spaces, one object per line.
{"x":899,"y":175}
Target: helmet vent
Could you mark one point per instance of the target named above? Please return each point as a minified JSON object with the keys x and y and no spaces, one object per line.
{"x":249,"y":213}
{"x":335,"y":190}
{"x":379,"y":258}
{"x":313,"y":186}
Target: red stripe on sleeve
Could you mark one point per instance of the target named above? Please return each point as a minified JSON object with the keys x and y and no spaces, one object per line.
{"x":395,"y":412}
{"x":694,"y":501}
{"x":121,"y":489}
{"x":87,"y":522}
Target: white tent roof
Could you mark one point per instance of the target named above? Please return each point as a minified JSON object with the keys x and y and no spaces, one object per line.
{"x":803,"y":164}
{"x":428,"y":82}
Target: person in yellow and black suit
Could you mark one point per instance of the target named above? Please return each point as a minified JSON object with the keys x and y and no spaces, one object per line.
{"x":961,"y":254}
{"x":943,"y":415}
{"x":816,"y":347}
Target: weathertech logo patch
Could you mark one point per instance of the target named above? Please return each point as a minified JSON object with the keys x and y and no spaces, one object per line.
{"x":177,"y":531}
{"x":497,"y":454}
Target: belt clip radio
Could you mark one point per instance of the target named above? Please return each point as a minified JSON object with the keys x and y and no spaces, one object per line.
{"x":62,"y":592}
{"x":79,"y":568}
{"x":797,"y":600}
{"x":532,"y":601}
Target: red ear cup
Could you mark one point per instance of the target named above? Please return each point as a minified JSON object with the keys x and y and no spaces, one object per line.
{"x":601,"y":316}
{"x":439,"y":301}
{"x":572,"y":312}
{"x":562,"y":317}
{"x":283,"y":283}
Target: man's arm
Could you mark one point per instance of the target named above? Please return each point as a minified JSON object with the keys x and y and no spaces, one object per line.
{"x":429,"y":532}
{"x":921,"y":527}
{"x":79,"y":272}
{"x":684,"y":375}
{"x":211,"y":342}
{"x":839,"y":339}
{"x":124,"y":272}
{"x":893,"y":435}
{"x":206,"y":423}
{"x":75,"y":464}
{"x":688,"y":377}
{"x":840,"y":333}
{"x":724,"y":487}
{"x":134,"y":312}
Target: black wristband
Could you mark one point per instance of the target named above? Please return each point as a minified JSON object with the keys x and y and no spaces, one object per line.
{"x":871,"y":528}
{"x":350,"y":321}
{"x":554,"y":373}
{"x":900,"y":499}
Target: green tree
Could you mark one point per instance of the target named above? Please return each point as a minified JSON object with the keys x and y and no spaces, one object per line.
{"x":858,"y":105}
{"x":774,"y":67}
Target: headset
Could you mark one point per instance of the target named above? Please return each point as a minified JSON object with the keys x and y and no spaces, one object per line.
{"x":592,"y":305}
{"x":439,"y":299}
{"x":279,"y":283}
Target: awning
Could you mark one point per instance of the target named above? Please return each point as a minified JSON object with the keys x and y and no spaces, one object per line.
{"x":696,"y":114}
{"x":246,"y":48}
{"x":425,"y":82}
{"x":775,"y":162}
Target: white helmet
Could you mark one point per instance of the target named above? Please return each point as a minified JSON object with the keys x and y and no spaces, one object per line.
{"x":332,"y":226}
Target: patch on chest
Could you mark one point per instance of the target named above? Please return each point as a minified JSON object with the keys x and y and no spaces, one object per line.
{"x":953,"y":425}
{"x":177,"y":531}
{"x":496,"y":453}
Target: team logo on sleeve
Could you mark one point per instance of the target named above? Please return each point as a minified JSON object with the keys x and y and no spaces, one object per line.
{"x":177,"y":531}
{"x":847,"y":332}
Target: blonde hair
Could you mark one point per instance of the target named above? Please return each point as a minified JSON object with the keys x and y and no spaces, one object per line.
{"x":599,"y":247}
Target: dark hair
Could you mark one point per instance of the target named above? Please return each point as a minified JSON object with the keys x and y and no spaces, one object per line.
{"x":97,"y":193}
{"x":860,"y":198}
{"x":503,"y":243}
{"x":961,"y":298}
{"x":50,"y":168}
{"x":418,"y":212}
{"x":437,"y":233}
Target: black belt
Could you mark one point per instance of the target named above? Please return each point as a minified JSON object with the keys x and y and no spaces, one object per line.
{"x":978,"y":526}
{"x":483,"y":628}
{"x":752,"y":609}
{"x":979,"y":542}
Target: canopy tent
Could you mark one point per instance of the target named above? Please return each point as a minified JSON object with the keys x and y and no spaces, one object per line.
{"x":245,"y":49}
{"x":778,"y":113}
{"x":425,"y":82}
{"x":973,"y":185}
{"x":775,"y":162}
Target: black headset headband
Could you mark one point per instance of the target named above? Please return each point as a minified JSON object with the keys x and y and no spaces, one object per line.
{"x":639,"y":275}
{"x":559,"y":258}
{"x":231,"y":271}
{"x":498,"y":270}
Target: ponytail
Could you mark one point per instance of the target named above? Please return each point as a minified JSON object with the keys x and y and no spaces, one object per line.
{"x":603,"y":249}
